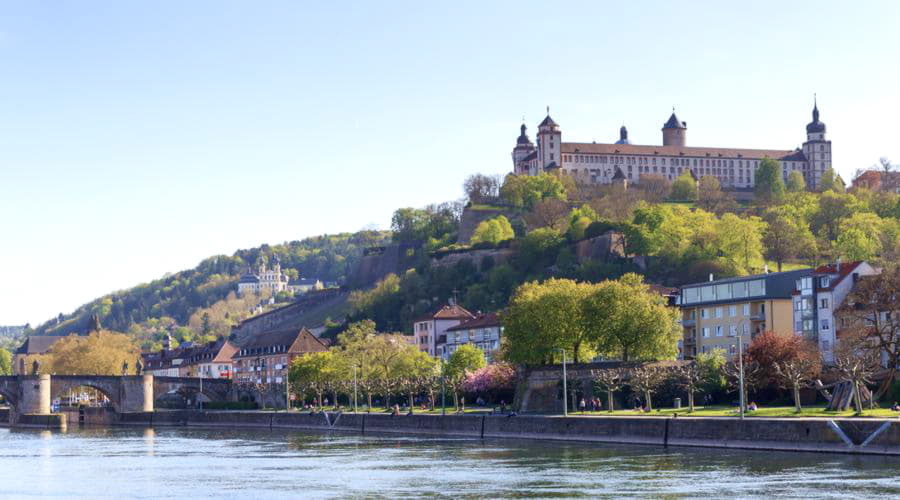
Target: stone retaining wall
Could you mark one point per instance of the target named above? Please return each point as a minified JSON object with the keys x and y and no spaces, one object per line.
{"x":863,"y":436}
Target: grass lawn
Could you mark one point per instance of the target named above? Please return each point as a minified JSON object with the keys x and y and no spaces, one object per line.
{"x":485,"y":208}
{"x":436,"y":411}
{"x":728,"y":411}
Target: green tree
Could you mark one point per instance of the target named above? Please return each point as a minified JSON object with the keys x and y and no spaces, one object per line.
{"x":100,"y":353}
{"x":859,"y":237}
{"x":795,"y":183}
{"x":739,"y":240}
{"x":787,"y":236}
{"x":526,"y":190}
{"x":539,"y":248}
{"x":769,"y":184}
{"x":684,"y":188}
{"x":831,"y":181}
{"x":493,"y":231}
{"x":5,"y":362}
{"x":313,"y":372}
{"x":467,"y":358}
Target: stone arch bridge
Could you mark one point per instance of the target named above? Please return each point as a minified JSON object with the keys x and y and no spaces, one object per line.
{"x":32,"y":395}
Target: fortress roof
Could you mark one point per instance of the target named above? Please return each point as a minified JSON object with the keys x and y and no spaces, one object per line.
{"x":694,"y":152}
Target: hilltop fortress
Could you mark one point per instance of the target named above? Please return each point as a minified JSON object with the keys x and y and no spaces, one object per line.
{"x":598,"y":163}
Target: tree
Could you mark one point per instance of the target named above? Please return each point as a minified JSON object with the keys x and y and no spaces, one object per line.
{"x":799,"y":372}
{"x":684,"y":188}
{"x":830,"y":181}
{"x":873,"y":312}
{"x":769,"y":184}
{"x":645,"y":381}
{"x":312,"y":372}
{"x":770,"y":349}
{"x":740,"y":240}
{"x":493,"y":231}
{"x":710,"y":196}
{"x":464,"y":360}
{"x":414,"y":369}
{"x":539,"y":248}
{"x":550,"y":213}
{"x":656,"y":188}
{"x":527,"y":190}
{"x":859,"y":237}
{"x":712,"y":364}
{"x":101,"y":353}
{"x":610,"y":380}
{"x":5,"y":362}
{"x":690,"y":377}
{"x":856,"y":362}
{"x":623,"y":318}
{"x":480,"y":188}
{"x":795,"y":182}
{"x":787,"y":235}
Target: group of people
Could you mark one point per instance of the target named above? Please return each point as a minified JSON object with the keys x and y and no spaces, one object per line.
{"x":593,"y":403}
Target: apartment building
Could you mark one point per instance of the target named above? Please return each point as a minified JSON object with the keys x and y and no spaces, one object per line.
{"x":716,"y":313}
{"x":482,"y":331}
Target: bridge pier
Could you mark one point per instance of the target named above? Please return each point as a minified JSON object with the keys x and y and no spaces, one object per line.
{"x":35,"y":398}
{"x":148,"y":393}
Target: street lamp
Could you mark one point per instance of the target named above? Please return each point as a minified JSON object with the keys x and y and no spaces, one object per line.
{"x":443,"y":394}
{"x":355,"y":409}
{"x":740,"y":346}
{"x":565,"y":389}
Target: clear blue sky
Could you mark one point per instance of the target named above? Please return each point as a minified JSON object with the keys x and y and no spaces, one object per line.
{"x":137,"y":138}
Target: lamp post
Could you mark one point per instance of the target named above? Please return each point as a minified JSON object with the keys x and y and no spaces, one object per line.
{"x":355,"y":409}
{"x":740,"y":346}
{"x":565,"y":389}
{"x":443,"y":394}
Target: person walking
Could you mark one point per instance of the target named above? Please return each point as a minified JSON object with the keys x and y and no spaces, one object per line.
{"x":582,"y":405}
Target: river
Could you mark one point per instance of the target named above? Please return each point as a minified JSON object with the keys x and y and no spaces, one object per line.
{"x":192,"y":463}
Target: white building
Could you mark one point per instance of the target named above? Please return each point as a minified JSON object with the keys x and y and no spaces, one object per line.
{"x":734,"y":168}
{"x":483,"y":331}
{"x":274,"y":280}
{"x":428,"y":328}
{"x":817,"y":297}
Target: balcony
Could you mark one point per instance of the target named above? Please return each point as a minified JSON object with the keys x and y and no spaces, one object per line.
{"x":688,"y":322}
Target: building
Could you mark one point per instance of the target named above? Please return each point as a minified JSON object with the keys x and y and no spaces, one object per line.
{"x":483,"y":331}
{"x":878,"y":180}
{"x":34,"y":345}
{"x":168,"y":362}
{"x":265,"y":358}
{"x":303,"y":285}
{"x":272,"y":279}
{"x":625,"y":163}
{"x":818,"y":295}
{"x":428,"y":328}
{"x":714,"y":313}
{"x":213,"y":360}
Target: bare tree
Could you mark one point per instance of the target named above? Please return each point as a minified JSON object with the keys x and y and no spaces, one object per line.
{"x":856,"y":361}
{"x":480,"y":188}
{"x":799,"y":372}
{"x":690,"y":377}
{"x":550,"y":213}
{"x":645,"y":380}
{"x":611,"y":380}
{"x":656,"y":188}
{"x":752,"y":376}
{"x":873,"y":312}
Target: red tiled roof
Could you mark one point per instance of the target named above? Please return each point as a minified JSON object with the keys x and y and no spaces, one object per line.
{"x":446,"y":312}
{"x":480,"y":321}
{"x":696,"y":152}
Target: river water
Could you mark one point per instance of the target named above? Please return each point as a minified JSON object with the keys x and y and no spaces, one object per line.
{"x":194,"y":463}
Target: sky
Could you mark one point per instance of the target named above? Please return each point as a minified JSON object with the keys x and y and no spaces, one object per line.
{"x":138,"y":138}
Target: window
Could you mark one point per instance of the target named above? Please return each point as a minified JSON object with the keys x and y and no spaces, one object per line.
{"x":732,"y":311}
{"x":826,"y":345}
{"x":732,"y":330}
{"x":705,"y":332}
{"x":723,"y":291}
{"x":825,"y":325}
{"x":745,"y":309}
{"x":746,"y":329}
{"x":704,"y":313}
{"x":757,"y":287}
{"x":739,"y":290}
{"x":825,"y":282}
{"x":823,"y":303}
{"x":718,"y":312}
{"x":708,"y":293}
{"x":805,"y":285}
{"x":691,"y":295}
{"x":718,"y":330}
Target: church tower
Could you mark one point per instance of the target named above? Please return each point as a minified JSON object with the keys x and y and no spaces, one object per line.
{"x":623,"y":136}
{"x":816,"y":149}
{"x":549,"y":143}
{"x":674,"y":131}
{"x":524,"y":148}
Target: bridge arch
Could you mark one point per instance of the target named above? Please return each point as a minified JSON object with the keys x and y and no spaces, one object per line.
{"x":57,"y":391}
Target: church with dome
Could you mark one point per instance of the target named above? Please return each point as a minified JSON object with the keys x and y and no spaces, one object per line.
{"x":606,"y":163}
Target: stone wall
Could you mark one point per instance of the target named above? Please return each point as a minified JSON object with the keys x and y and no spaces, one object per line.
{"x":471,"y":218}
{"x":499,"y":255}
{"x":289,"y":316}
{"x":858,"y":436}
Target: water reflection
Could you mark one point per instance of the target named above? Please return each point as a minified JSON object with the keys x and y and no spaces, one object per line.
{"x":264,"y":464}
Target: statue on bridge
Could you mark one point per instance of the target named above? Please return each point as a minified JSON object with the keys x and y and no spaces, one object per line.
{"x":125,"y":368}
{"x":35,"y":367}
{"x":139,"y":367}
